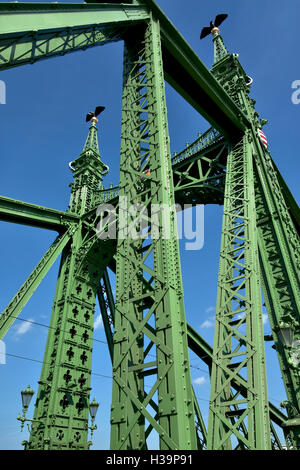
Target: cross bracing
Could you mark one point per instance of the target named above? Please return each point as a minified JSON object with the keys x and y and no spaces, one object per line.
{"x":148,"y":303}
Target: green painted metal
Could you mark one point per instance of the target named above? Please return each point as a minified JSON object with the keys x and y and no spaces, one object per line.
{"x":260,"y":246}
{"x":61,"y":409}
{"x":205,"y":352}
{"x":62,"y":406}
{"x":280,"y":266}
{"x":107,"y":307}
{"x":201,"y":430}
{"x":187,"y":74}
{"x":21,"y":298}
{"x":277,"y":243}
{"x":55,"y":16}
{"x":30,"y":32}
{"x":89,"y":171}
{"x":290,"y":202}
{"x":147,"y":321}
{"x":199,"y":171}
{"x":25,"y":213}
{"x":66,"y":31}
{"x":239,"y":342}
{"x":238,"y":354}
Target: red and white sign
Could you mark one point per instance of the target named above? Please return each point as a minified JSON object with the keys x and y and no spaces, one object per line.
{"x":263,"y":138}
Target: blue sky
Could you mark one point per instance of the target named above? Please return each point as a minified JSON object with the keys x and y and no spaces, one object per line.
{"x":43,"y":128}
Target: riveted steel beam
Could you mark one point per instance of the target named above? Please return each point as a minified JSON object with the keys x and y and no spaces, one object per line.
{"x":21,"y":298}
{"x":67,"y":28}
{"x":32,"y":31}
{"x":204,"y":351}
{"x":25,"y":213}
{"x":187,"y":74}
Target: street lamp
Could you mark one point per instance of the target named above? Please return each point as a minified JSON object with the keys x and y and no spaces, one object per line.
{"x":286,"y":331}
{"x":93,"y":408}
{"x":26,"y":396}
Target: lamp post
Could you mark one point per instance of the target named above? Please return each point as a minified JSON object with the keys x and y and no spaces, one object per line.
{"x":93,"y":408}
{"x":26,"y":396}
{"x":286,"y":333}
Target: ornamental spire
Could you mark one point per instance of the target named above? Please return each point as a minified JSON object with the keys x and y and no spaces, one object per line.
{"x":91,"y":142}
{"x":88,"y":169}
{"x":220,"y":50}
{"x":91,"y":148}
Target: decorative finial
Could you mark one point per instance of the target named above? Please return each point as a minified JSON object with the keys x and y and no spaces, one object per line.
{"x":213,"y":28}
{"x":91,"y":116}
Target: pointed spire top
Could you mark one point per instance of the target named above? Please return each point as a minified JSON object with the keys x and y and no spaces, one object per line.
{"x":90,"y":150}
{"x":91,"y":142}
{"x":219,"y":48}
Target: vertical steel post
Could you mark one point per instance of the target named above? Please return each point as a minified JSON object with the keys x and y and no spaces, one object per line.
{"x":62,"y":405}
{"x":239,"y":342}
{"x":149,"y":319}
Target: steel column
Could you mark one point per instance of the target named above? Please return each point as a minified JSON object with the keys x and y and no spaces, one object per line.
{"x":155,"y":319}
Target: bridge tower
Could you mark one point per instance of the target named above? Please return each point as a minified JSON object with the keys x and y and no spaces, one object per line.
{"x":145,"y":324}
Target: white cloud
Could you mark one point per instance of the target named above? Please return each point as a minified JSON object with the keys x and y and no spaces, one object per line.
{"x":210,"y":323}
{"x":210,"y":309}
{"x":24,"y":327}
{"x":199,"y":381}
{"x":265,"y":318}
{"x":98,"y":322}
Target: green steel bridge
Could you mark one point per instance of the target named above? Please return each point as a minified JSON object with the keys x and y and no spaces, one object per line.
{"x":145,"y":324}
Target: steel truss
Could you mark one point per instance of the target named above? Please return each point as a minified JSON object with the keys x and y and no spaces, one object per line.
{"x":145,"y":325}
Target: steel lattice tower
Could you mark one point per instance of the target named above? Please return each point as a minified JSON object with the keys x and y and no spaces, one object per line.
{"x":145,"y":324}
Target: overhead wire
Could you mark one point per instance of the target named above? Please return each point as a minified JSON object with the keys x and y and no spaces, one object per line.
{"x":53,"y":328}
{"x":98,"y":374}
{"x":94,"y":339}
{"x":41,"y":362}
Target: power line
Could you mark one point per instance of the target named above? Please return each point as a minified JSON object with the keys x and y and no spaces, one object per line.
{"x":95,"y":339}
{"x":202,"y":399}
{"x":53,"y":328}
{"x":100,"y":375}
{"x":198,"y":368}
{"x":41,"y":362}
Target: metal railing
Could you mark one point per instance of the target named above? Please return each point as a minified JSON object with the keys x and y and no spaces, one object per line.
{"x":211,"y":136}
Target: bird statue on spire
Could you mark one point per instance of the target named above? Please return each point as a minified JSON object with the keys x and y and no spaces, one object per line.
{"x":213,"y":28}
{"x":92,"y":116}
